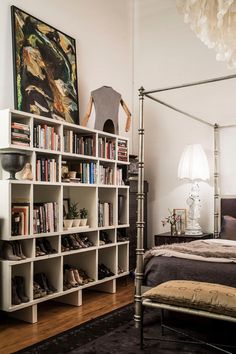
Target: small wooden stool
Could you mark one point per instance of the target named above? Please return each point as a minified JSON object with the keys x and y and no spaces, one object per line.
{"x":191,"y":297}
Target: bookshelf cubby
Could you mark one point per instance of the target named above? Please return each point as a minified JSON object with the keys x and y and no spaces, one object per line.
{"x":78,"y":148}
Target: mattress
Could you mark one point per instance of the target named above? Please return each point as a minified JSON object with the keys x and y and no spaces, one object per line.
{"x":160,"y":269}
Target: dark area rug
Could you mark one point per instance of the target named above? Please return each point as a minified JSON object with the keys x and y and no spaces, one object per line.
{"x":115,"y":333}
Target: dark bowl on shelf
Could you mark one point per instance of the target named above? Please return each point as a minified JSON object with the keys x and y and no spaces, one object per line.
{"x":13,"y":162}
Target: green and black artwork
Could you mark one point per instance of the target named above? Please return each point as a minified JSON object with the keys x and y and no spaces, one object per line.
{"x":45,"y":76}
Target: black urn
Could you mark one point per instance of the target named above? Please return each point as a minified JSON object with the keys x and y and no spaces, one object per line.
{"x":13,"y":162}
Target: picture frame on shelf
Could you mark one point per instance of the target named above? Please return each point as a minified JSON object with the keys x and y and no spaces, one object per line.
{"x":66,"y":205}
{"x":181,"y":225}
{"x":45,"y":71}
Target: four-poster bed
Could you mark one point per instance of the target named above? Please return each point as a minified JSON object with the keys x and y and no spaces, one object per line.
{"x":140,"y":195}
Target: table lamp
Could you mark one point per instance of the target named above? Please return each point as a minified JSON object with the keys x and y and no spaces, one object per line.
{"x":193,"y":166}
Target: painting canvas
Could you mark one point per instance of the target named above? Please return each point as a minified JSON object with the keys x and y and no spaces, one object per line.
{"x":45,"y":74}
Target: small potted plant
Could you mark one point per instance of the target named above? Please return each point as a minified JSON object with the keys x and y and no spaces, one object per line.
{"x":75,"y":213}
{"x":83,"y":216}
{"x":68,"y":221}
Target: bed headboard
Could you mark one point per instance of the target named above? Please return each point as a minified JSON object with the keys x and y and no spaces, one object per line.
{"x":228,"y":218}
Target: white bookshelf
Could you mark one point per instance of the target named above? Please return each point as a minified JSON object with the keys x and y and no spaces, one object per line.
{"x":87,"y":195}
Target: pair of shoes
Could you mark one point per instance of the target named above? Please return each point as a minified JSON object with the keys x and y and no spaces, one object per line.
{"x":43,"y":246}
{"x":18,"y":290}
{"x":44,"y":283}
{"x":38,"y":291}
{"x":71,"y":278}
{"x":85,"y":240}
{"x":104,"y":237}
{"x":12,"y":251}
{"x":104,"y":272}
{"x":85,"y":277}
{"x":69,"y":242}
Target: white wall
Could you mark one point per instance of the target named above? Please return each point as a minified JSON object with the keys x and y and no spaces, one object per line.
{"x":167,"y":52}
{"x":103,"y":33}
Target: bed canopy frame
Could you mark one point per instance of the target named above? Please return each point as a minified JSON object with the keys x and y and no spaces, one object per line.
{"x":140,"y":195}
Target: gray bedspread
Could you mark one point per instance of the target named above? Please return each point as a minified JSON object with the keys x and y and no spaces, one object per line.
{"x":161,"y":269}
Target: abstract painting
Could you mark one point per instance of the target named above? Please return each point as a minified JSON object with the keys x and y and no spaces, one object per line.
{"x":45,"y":74}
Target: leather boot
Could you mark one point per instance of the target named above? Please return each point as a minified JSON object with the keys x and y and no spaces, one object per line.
{"x":41,"y":280}
{"x":48,"y":247}
{"x":18,"y":249}
{"x":78,"y":278}
{"x":15,"y":300}
{"x":8,"y":252}
{"x":20,"y":288}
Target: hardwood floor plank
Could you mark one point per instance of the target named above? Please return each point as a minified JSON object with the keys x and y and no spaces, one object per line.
{"x":54,"y":318}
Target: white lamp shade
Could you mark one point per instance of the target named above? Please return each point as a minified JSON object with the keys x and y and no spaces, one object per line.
{"x":193,"y":163}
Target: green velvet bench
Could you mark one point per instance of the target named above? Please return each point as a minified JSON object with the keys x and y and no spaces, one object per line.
{"x":191,"y":297}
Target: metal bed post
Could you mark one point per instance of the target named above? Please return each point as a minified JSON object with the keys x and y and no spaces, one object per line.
{"x":216,"y":181}
{"x":140,"y":216}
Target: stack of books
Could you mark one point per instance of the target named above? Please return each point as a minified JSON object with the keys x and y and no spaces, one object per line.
{"x":77,"y":144}
{"x":45,"y":217}
{"x":105,"y":214}
{"x":46,"y":169}
{"x":20,"y":134}
{"x":45,"y":137}
{"x":122,"y":150}
{"x":20,"y":219}
{"x":106,"y":148}
{"x":106,"y":175}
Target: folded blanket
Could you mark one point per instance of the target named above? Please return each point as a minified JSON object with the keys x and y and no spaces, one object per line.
{"x":203,"y":250}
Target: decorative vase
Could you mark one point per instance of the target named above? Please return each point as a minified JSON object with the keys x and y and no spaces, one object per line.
{"x":13,"y":162}
{"x":173,"y":230}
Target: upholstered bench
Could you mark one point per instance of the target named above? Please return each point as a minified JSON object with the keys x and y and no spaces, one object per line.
{"x":192,"y":297}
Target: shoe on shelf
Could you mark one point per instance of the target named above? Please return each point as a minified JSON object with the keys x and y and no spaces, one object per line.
{"x":120,"y":270}
{"x":77,"y":277}
{"x":48,"y":246}
{"x":20,"y":288}
{"x":73,"y":242}
{"x":39,"y":242}
{"x":65,"y":243}
{"x":70,"y":278}
{"x":15,"y":300}
{"x":38,"y":251}
{"x":38,"y":291}
{"x":8,"y":252}
{"x":19,"y":250}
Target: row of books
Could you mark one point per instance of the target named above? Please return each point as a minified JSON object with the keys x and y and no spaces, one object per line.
{"x":87,"y":172}
{"x":106,"y":175}
{"x":20,"y":134}
{"x":45,"y":137}
{"x":106,"y":148}
{"x":105,"y":214}
{"x":119,"y":176}
{"x":77,"y":144}
{"x":20,"y":219}
{"x":46,"y":169}
{"x":45,"y":217}
{"x":122,"y":150}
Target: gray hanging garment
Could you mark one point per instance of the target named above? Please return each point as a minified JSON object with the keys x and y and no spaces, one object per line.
{"x":106,"y":103}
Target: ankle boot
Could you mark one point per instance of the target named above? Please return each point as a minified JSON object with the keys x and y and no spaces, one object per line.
{"x":49,"y":285}
{"x":8,"y":252}
{"x":48,"y":246}
{"x":39,"y":242}
{"x":70,"y":279}
{"x":15,"y":300}
{"x":41,"y":280}
{"x":77,"y":276}
{"x":20,"y":288}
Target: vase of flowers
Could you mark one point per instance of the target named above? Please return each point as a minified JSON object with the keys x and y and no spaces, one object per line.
{"x":172,"y":219}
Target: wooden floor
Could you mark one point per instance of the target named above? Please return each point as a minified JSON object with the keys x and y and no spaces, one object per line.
{"x":54,"y":318}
